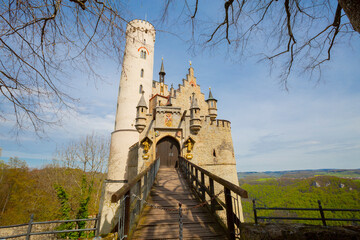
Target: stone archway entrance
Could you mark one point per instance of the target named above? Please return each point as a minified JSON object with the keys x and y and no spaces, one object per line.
{"x":168,"y":149}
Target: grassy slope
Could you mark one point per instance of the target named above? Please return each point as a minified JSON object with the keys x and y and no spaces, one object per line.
{"x":294,"y":190}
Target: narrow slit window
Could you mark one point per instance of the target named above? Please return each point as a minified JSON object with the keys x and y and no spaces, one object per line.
{"x":141,"y":87}
{"x":144,"y":55}
{"x":214,"y":153}
{"x":142,"y":73}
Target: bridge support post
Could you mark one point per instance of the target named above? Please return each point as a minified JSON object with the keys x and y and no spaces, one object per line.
{"x":229,"y":213}
{"x":127,"y":214}
{"x":212,"y":196}
{"x":203,"y":186}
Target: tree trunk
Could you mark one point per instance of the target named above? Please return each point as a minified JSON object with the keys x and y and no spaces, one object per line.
{"x":352,"y":11}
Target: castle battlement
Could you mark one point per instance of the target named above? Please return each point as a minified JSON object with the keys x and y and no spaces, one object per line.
{"x":165,"y":109}
{"x":220,"y":123}
{"x":142,"y":26}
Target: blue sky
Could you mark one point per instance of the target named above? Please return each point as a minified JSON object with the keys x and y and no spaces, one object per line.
{"x":313,"y":125}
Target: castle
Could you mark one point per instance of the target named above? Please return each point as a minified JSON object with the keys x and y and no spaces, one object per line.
{"x":153,"y":120}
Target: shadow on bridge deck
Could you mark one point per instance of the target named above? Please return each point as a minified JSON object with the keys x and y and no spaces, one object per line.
{"x":169,"y":189}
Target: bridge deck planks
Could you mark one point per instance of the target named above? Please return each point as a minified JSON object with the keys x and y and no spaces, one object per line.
{"x":169,"y":189}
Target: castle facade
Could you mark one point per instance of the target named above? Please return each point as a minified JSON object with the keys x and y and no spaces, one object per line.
{"x":155,"y":121}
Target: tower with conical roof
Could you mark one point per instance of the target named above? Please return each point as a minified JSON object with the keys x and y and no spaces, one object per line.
{"x":141,"y":110}
{"x":211,"y":101}
{"x":195,"y":122}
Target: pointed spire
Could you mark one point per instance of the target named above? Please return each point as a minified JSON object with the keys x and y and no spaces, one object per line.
{"x":162,"y":71}
{"x":142,"y":102}
{"x":194,"y":103}
{"x":210,"y":95}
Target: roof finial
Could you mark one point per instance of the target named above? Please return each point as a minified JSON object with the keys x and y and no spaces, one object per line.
{"x":190,"y":63}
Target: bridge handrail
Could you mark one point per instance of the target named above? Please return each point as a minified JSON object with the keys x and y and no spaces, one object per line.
{"x":126,"y":187}
{"x":129,"y":207}
{"x":230,"y":194}
{"x":236,"y":189}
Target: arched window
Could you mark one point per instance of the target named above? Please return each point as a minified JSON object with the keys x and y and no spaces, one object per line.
{"x":144,"y":41}
{"x":143,"y":54}
{"x":141,"y":87}
{"x":142,"y":73}
{"x":212,"y":104}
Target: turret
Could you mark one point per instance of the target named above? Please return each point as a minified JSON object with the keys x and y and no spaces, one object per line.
{"x":211,"y":101}
{"x":162,"y":77}
{"x":141,"y":110}
{"x":195,"y":122}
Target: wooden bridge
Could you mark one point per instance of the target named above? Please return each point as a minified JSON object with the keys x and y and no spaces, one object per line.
{"x":150,"y":209}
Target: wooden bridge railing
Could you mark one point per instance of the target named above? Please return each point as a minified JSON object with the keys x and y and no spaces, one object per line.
{"x":130,"y":208}
{"x":199,"y":177}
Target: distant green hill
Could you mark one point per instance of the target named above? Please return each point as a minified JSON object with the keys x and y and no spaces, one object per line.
{"x":297,"y":189}
{"x":351,"y":173}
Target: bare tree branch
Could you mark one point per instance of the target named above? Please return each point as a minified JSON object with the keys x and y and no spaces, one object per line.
{"x":273,"y":24}
{"x":40,"y":41}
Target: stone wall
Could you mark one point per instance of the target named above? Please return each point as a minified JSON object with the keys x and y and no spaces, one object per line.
{"x":298,"y":232}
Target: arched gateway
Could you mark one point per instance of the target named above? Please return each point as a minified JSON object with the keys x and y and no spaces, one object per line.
{"x":168,"y":149}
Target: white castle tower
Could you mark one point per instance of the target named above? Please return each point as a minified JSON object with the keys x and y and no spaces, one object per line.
{"x":136,"y":78}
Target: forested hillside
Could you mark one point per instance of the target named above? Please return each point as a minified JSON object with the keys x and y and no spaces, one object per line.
{"x":44,"y":192}
{"x":345,"y":173}
{"x":333,"y":192}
